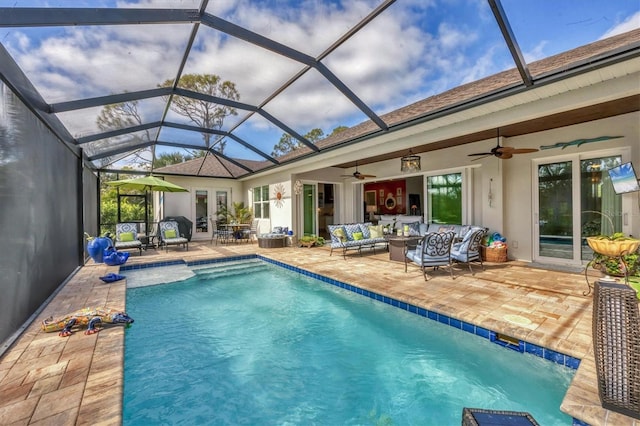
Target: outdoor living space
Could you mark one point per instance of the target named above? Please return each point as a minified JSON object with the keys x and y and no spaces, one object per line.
{"x":46,"y":379}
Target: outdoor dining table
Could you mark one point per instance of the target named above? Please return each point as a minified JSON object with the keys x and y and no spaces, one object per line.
{"x":235,"y":231}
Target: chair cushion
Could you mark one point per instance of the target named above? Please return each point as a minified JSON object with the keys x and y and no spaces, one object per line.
{"x":126,"y":236}
{"x":414,"y":228}
{"x":350,"y":229}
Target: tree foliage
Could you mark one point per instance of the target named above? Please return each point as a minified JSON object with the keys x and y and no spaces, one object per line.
{"x":288,"y":143}
{"x":205,"y":114}
{"x":121,"y":116}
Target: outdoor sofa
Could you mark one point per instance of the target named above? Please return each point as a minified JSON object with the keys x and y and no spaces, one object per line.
{"x":356,"y":236}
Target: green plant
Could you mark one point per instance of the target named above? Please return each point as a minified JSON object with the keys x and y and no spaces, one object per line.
{"x":312,"y":241}
{"x":238,"y":213}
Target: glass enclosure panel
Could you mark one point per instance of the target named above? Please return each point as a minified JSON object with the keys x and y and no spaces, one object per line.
{"x":91,"y":121}
{"x":202,"y":214}
{"x":255,"y":72}
{"x":76,"y":62}
{"x":419,"y":50}
{"x":444,"y":198}
{"x":309,"y":27}
{"x":555,"y":210}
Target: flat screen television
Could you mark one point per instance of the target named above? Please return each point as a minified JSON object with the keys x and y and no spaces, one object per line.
{"x":624,"y":179}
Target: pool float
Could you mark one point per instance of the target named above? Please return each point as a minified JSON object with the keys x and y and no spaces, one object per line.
{"x":111,"y":277}
{"x":89,"y":317}
{"x":112,"y":257}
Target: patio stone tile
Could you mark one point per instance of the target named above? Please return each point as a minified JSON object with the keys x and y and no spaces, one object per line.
{"x":17,"y":412}
{"x":58,"y":402}
{"x":560,"y":320}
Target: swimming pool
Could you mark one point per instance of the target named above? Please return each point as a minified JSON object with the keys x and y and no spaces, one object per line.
{"x":272,"y":346}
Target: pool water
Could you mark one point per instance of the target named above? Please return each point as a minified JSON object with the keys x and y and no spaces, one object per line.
{"x":273,"y":347}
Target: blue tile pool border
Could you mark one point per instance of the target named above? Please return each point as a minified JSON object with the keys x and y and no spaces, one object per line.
{"x":493,"y":336}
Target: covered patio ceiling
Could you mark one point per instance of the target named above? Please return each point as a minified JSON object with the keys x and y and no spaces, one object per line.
{"x":242,"y":87}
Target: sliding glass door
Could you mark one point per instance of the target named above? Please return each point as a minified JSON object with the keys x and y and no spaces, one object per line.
{"x":574,"y":200}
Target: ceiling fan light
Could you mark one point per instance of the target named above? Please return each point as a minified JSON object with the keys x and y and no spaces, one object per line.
{"x":410,"y":163}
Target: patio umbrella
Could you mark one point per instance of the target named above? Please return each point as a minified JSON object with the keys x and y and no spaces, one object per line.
{"x":147,"y":183}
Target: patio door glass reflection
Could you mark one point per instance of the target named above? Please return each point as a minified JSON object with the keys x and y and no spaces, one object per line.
{"x":555,"y":210}
{"x":575,"y":200}
{"x":202,"y":214}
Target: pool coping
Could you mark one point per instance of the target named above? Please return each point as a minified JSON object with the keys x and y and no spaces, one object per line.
{"x":102,"y":372}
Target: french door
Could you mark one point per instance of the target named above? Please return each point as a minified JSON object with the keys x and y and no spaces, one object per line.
{"x":574,"y":199}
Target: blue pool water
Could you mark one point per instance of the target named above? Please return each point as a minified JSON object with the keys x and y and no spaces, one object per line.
{"x":270,"y":346}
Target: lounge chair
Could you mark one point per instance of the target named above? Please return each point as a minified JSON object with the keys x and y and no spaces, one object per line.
{"x":468,"y":250}
{"x":433,"y":250}
{"x":127,"y":237}
{"x":170,"y":235}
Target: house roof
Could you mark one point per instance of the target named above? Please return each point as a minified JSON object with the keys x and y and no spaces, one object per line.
{"x":109,"y":81}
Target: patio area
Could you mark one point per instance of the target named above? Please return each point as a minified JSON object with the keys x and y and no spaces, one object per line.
{"x":45,"y":379}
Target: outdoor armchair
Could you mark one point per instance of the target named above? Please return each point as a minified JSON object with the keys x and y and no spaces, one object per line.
{"x":170,"y":235}
{"x":433,"y":250}
{"x":468,"y":250}
{"x":127,"y":237}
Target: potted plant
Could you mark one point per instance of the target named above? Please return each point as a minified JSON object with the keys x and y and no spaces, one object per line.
{"x":236,"y":215}
{"x":311,"y":241}
{"x":615,"y":255}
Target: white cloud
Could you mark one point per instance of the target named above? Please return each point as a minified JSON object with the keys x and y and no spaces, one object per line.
{"x":536,"y":53}
{"x":630,"y":23}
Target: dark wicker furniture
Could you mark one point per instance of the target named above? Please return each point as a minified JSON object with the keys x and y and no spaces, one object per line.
{"x":616,"y":344}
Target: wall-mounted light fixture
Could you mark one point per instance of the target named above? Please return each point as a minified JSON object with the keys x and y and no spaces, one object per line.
{"x":410,"y":163}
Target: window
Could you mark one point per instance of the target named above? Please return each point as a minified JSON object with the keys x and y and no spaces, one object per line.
{"x":261,"y":202}
{"x":444,"y":198}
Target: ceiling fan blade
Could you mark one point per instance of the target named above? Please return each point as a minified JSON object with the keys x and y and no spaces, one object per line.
{"x":523,"y":150}
{"x":481,"y":153}
{"x":504,"y":155}
{"x":480,"y":158}
{"x":367,"y":176}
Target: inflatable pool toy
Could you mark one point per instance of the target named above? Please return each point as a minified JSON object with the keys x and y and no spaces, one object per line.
{"x":112,"y":257}
{"x":89,"y":317}
{"x":111,"y":277}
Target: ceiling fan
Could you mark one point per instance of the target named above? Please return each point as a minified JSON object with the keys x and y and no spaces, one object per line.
{"x":502,"y":152}
{"x":358,"y":175}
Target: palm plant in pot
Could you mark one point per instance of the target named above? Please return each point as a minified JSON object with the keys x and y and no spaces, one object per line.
{"x":236,"y":215}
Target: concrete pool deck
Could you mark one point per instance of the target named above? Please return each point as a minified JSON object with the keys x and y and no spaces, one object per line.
{"x":46,"y":379}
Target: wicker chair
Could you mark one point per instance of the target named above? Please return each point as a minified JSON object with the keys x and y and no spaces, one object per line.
{"x":616,"y":343}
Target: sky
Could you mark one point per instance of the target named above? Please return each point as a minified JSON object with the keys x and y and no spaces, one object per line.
{"x":412,"y":50}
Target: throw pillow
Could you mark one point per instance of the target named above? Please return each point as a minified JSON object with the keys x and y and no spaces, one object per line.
{"x":376,"y":231}
{"x":170,"y":233}
{"x":339,"y":234}
{"x":126,"y":236}
{"x":414,"y":229}
{"x":357,"y":236}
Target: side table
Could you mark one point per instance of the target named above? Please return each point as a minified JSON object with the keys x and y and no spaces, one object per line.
{"x":399,"y":245}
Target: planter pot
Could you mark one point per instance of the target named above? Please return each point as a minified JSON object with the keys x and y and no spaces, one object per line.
{"x":96,"y":248}
{"x":613,"y":248}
